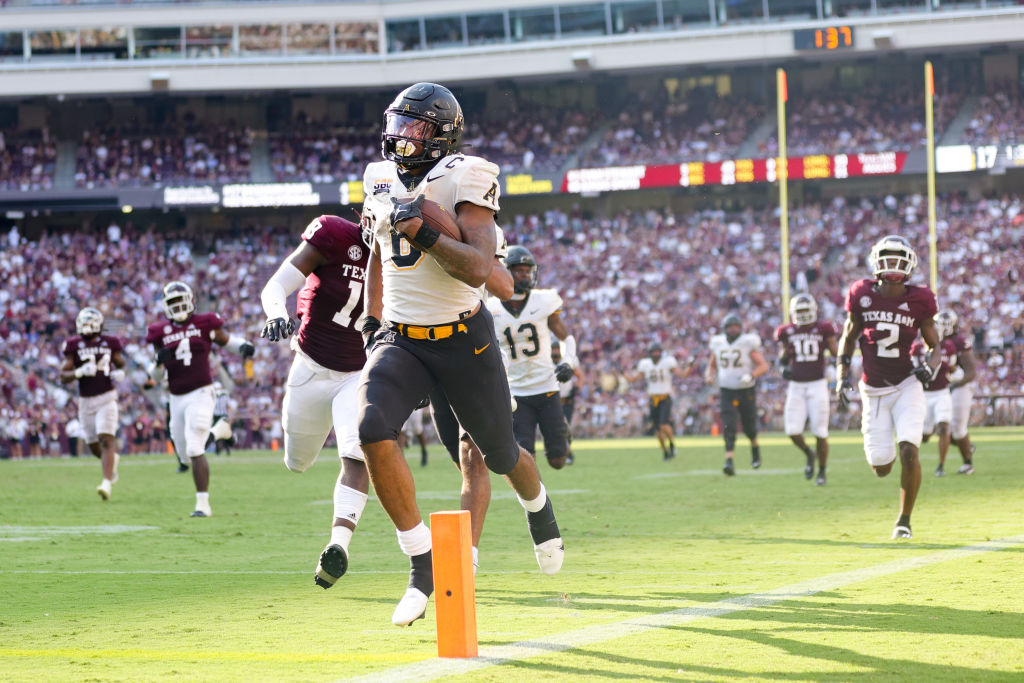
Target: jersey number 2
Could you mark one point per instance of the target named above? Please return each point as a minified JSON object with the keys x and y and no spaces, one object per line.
{"x":887,"y":345}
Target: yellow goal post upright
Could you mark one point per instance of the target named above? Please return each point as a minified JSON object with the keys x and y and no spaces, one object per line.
{"x":929,"y":124}
{"x":782,"y":171}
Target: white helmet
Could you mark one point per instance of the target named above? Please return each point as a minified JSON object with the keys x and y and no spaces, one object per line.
{"x":892,"y":259}
{"x":178,"y":301}
{"x":946,"y":322}
{"x":89,"y":321}
{"x":803,"y":309}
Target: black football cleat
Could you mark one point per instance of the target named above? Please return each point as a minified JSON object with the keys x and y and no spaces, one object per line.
{"x":332,"y":566}
{"x":729,"y":469}
{"x":182,"y":467}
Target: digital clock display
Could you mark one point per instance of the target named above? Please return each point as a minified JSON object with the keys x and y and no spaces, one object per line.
{"x":825,"y":39}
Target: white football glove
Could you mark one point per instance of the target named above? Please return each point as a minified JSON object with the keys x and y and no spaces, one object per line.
{"x":87,"y":370}
{"x":747,"y":378}
{"x":117,"y":375}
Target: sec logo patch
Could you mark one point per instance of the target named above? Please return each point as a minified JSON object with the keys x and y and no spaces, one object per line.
{"x":355,"y":252}
{"x":865,"y":302}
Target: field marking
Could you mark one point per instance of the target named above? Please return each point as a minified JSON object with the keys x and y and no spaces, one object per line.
{"x":434,"y":668}
{"x":454,"y":495}
{"x":41,"y":533}
{"x":186,"y":656}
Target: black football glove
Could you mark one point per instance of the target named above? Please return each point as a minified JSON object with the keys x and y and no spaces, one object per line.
{"x":924,"y":374}
{"x":401,"y":212}
{"x":163,"y":355}
{"x":277,"y":329}
{"x":563,"y":372}
{"x":787,"y":373}
{"x":246,"y":350}
{"x":369,"y":332}
{"x":843,"y":391}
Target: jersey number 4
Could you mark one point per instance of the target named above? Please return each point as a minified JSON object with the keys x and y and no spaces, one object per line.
{"x":531,"y":337}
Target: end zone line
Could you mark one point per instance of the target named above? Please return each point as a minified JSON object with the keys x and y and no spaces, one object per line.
{"x":433,"y":669}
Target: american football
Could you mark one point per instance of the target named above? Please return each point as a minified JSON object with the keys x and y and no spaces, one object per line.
{"x":437,"y":217}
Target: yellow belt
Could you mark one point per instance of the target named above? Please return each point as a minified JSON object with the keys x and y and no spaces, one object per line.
{"x":432,"y":333}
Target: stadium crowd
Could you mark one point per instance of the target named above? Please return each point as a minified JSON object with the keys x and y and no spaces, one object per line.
{"x":187,"y":152}
{"x":521,"y":135}
{"x":627,"y":280}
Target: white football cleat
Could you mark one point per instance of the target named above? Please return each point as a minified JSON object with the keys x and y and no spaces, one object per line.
{"x":104,"y":489}
{"x":202,"y":511}
{"x":411,"y":607}
{"x":550,"y":555}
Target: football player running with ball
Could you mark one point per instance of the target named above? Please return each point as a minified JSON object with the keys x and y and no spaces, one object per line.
{"x":328,"y":269}
{"x":427,"y":326}
{"x":182,"y":344}
{"x":88,"y":358}
{"x":524,"y":324}
{"x":884,"y":315}
{"x":804,"y":342}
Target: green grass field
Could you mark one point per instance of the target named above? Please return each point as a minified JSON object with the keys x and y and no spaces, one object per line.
{"x":672,"y":572}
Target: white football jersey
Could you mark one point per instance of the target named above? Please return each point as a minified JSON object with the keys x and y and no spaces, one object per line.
{"x":417,"y":290}
{"x":526,"y":339}
{"x":658,"y":375}
{"x":565,"y":388}
{"x":733,"y":359}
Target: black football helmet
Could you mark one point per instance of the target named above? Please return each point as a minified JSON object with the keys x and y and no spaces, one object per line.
{"x":521,"y":256}
{"x":732,"y":320}
{"x":422,"y":125}
{"x":654,"y":348}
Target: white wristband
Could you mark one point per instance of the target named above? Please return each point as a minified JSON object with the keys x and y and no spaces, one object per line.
{"x":568,"y":348}
{"x":281,"y":285}
{"x":234,"y":344}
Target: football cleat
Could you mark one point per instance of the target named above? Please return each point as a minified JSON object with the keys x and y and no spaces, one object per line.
{"x":729,"y":469}
{"x":104,"y":489}
{"x":939,"y":471}
{"x":755,"y":460}
{"x":809,"y":465}
{"x":411,"y":607}
{"x":332,"y":566}
{"x":550,"y":555}
{"x":202,"y":511}
{"x":821,"y":479}
{"x":966,"y":468}
{"x":182,"y":467}
{"x":902,"y":532}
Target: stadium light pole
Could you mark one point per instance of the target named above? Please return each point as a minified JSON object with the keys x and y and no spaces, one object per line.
{"x":782,"y":170}
{"x":929,"y":124}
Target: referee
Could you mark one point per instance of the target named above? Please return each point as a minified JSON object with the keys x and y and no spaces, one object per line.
{"x":736,"y":363}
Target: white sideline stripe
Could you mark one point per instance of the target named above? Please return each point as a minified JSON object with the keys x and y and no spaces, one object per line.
{"x":39,"y":533}
{"x":454,"y":495}
{"x":432,"y":669}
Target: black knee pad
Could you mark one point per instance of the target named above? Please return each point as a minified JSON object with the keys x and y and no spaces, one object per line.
{"x":730,"y":438}
{"x":373,"y":425}
{"x":503,"y":462}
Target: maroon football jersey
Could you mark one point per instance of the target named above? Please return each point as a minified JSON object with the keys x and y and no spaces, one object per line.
{"x":946,"y":365}
{"x":805,"y":347}
{"x":961,"y":343}
{"x":330,"y":304}
{"x":889,"y":327}
{"x":191,"y":341}
{"x":99,"y":348}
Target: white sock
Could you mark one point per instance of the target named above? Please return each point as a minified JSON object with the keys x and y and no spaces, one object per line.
{"x":476,"y":558}
{"x":415,"y":541}
{"x":202,"y":499}
{"x":348,"y":503}
{"x":105,"y":481}
{"x":537,"y":504}
{"x":341,"y":535}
